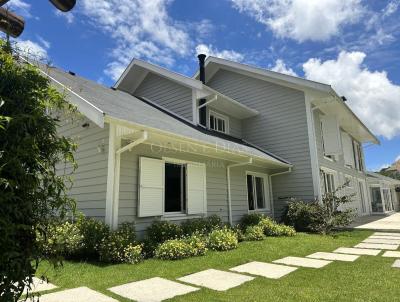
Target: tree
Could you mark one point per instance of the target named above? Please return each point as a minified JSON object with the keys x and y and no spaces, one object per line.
{"x":32,"y":193}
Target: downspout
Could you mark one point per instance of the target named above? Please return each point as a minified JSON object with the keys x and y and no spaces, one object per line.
{"x":118,"y":153}
{"x":270,"y":188}
{"x":228,"y":176}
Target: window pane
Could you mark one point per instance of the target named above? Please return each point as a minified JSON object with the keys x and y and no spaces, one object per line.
{"x":260,"y":193}
{"x":173,"y":188}
{"x":212,"y":125}
{"x":250,"y":192}
{"x":220,"y":125}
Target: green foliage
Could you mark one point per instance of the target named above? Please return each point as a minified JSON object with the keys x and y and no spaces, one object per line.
{"x":174,"y":249}
{"x":254,"y":233}
{"x":132,"y":254}
{"x":250,"y":219}
{"x":32,"y":192}
{"x":61,"y":240}
{"x":198,"y":243}
{"x":93,"y":231}
{"x":319,"y":217}
{"x":112,"y":247}
{"x":237,"y":229}
{"x":201,"y":225}
{"x":302,"y":215}
{"x":271,"y":228}
{"x":222,"y":240}
{"x":161,"y":231}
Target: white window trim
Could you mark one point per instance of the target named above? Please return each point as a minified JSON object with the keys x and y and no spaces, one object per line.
{"x":350,"y":186}
{"x":335,"y":176}
{"x":224,"y":117}
{"x":267,"y":194}
{"x":181,"y":215}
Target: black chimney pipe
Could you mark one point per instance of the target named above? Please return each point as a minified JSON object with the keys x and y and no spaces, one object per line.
{"x":202,"y":110}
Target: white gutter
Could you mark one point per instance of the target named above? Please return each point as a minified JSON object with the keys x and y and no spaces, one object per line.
{"x":228,"y":176}
{"x":117,"y":174}
{"x":270,"y":188}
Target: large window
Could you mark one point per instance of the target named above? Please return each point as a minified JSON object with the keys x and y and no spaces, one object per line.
{"x":256,"y":192}
{"x":328,"y":181}
{"x":218,"y":122}
{"x":323,"y":143}
{"x":175,"y":188}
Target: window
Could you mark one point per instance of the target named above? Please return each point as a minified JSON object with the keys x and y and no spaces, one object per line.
{"x":218,"y":122}
{"x":358,"y":156}
{"x":256,"y":192}
{"x":328,"y":181}
{"x":175,"y":188}
{"x":323,"y":143}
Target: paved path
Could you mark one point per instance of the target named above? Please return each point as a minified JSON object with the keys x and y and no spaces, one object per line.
{"x":387,"y":223}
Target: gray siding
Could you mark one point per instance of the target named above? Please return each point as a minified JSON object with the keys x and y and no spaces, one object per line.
{"x":216,"y":183}
{"x":280,"y":127}
{"x":168,"y":94}
{"x":90,"y":179}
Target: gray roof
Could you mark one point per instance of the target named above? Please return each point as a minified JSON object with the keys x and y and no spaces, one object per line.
{"x":121,"y":105}
{"x":371,"y":174}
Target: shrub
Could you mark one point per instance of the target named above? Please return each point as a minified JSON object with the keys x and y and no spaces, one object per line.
{"x":302,"y":215}
{"x":161,"y":231}
{"x":112,"y":247}
{"x":239,"y":232}
{"x":271,"y":228}
{"x":63,"y":239}
{"x":319,"y":217}
{"x":222,"y":240}
{"x":254,"y":233}
{"x":132,"y":253}
{"x":174,"y":249}
{"x":250,"y":219}
{"x":201,"y":225}
{"x":93,"y":232}
{"x":198,"y":244}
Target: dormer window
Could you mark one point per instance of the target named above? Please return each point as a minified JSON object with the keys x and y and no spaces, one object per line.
{"x":218,"y":122}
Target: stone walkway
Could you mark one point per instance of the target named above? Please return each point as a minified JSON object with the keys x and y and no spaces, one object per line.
{"x":389,"y":223}
{"x":158,"y":289}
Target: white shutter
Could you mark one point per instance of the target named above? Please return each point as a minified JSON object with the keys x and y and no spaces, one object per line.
{"x":151,"y":187}
{"x":196,"y":189}
{"x":331,"y":135}
{"x":348,"y":149}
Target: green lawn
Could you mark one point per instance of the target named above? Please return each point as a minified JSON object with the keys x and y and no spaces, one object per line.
{"x":367,"y":279}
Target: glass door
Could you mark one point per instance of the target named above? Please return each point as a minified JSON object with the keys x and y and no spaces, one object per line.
{"x":376,"y":204}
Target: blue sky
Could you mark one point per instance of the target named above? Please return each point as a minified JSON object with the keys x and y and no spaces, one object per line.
{"x":351,"y":44}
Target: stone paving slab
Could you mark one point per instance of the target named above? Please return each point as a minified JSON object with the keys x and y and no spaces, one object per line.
{"x":152,"y":290}
{"x":384,"y":241}
{"x":396,"y":264}
{"x":333,"y":256}
{"x":357,"y":251}
{"x":392,"y":254}
{"x":304,"y":262}
{"x":386,"y":234}
{"x":216,"y":279}
{"x":79,"y":294}
{"x":267,"y":270}
{"x":39,"y":285}
{"x":383,"y":237}
{"x":377,"y":246}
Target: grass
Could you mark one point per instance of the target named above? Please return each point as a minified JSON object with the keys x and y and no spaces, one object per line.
{"x":367,"y":279}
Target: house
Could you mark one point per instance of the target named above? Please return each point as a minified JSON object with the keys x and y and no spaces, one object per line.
{"x":385,"y":193}
{"x":232,"y":139}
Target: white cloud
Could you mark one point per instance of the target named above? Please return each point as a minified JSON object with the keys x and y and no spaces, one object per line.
{"x":391,"y":8}
{"x":68,"y":16}
{"x":397,"y":158}
{"x":33,"y":50}
{"x":303,"y":19}
{"x":373,"y":97}
{"x":142,"y":29}
{"x":281,"y":67}
{"x":20,"y":7}
{"x":209,"y":50}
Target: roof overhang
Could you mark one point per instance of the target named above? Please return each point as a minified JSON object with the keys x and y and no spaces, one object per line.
{"x":376,"y":177}
{"x":229,"y":151}
{"x":225,"y":104}
{"x":348,"y":121}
